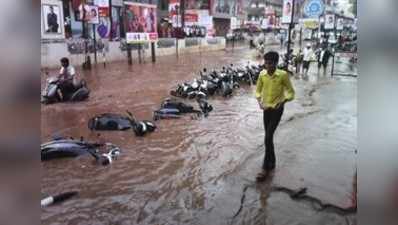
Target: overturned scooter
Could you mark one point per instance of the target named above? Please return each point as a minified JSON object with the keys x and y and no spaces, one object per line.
{"x":72,"y":148}
{"x":112,"y":122}
{"x":174,"y":109}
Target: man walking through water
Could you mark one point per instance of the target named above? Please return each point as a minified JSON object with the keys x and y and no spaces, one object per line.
{"x":273,"y":90}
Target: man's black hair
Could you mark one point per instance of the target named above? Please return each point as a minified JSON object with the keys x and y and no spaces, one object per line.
{"x":271,"y":56}
{"x":64,"y":60}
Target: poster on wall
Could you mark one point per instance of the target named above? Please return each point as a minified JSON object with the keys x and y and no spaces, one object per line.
{"x":93,"y":15}
{"x":287,"y":11}
{"x":329,"y":21}
{"x":88,"y":13}
{"x":52,"y":20}
{"x":226,"y":8}
{"x":174,"y":8}
{"x":340,"y":24}
{"x":141,"y":23}
{"x":197,"y":4}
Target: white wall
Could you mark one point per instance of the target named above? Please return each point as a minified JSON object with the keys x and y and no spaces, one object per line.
{"x":51,"y":53}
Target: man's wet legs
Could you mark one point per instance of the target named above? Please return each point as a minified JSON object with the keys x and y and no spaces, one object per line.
{"x":271,"y":118}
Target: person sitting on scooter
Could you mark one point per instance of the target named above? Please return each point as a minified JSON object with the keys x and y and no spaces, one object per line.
{"x":66,"y":77}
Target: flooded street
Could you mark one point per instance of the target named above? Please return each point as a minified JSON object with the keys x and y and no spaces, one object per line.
{"x":202,"y":171}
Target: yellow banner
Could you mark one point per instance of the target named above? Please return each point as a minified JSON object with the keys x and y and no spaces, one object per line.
{"x":311,"y":24}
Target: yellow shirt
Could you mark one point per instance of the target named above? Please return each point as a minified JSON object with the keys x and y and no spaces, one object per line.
{"x":274,"y":89}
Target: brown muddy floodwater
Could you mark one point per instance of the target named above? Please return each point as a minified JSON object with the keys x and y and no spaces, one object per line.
{"x":203,"y":171}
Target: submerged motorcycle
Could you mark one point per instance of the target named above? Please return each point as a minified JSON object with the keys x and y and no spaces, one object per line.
{"x":50,"y":94}
{"x":112,"y":122}
{"x":64,"y":148}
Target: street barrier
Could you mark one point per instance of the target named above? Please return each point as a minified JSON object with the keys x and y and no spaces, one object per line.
{"x":192,"y":42}
{"x":52,"y":51}
{"x":78,"y":45}
{"x":212,"y":41}
{"x":166,"y":42}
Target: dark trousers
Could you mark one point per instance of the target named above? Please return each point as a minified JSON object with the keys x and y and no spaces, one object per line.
{"x":271,"y":119}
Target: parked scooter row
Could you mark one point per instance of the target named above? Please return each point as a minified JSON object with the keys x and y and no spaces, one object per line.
{"x":221,"y":82}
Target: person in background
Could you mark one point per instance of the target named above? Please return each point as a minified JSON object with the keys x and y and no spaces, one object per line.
{"x":261,"y":49}
{"x":308,"y":55}
{"x":298,"y":61}
{"x":323,"y":57}
{"x":281,"y":39}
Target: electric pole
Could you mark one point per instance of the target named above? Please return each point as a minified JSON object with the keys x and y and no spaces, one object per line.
{"x":291,"y":24}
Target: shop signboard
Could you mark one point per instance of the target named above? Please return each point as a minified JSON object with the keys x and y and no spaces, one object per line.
{"x":103,"y":7}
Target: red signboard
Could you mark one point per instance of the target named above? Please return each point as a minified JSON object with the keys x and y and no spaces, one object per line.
{"x":103,"y":7}
{"x":190,"y":17}
{"x":103,"y":12}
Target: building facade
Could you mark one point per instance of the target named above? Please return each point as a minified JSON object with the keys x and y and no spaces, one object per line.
{"x":98,"y":28}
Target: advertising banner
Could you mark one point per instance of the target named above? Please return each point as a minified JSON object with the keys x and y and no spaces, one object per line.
{"x":88,"y":13}
{"x":141,"y":23}
{"x":340,"y":24}
{"x":191,"y":16}
{"x":287,"y":11}
{"x":174,"y":13}
{"x":52,"y":20}
{"x":226,"y":8}
{"x":93,"y":15}
{"x":329,"y":21}
{"x":310,"y":23}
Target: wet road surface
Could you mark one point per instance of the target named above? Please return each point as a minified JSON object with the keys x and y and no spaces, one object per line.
{"x":196,"y":171}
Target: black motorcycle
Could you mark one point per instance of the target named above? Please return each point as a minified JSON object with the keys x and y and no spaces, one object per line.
{"x":114,"y":122}
{"x":65,"y":148}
